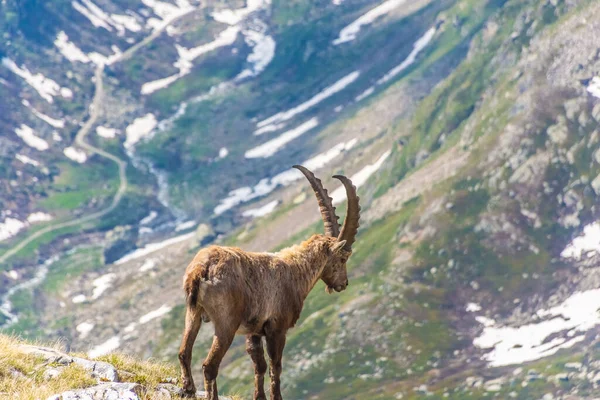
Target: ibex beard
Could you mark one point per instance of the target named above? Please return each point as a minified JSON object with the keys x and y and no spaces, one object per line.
{"x":262,"y":294}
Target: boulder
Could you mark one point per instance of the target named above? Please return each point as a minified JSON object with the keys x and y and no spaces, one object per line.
{"x":119,"y":242}
{"x":204,"y":234}
{"x":103,"y":391}
{"x":100,"y":370}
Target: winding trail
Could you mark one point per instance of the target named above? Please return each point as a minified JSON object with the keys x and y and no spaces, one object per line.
{"x":95,"y":108}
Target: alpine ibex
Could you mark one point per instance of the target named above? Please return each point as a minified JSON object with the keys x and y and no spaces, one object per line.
{"x":262,"y":294}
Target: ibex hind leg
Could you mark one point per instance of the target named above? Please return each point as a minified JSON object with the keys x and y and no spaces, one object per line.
{"x":275,"y":346}
{"x":193,"y":321}
{"x":255,"y":349}
{"x":222,"y":340}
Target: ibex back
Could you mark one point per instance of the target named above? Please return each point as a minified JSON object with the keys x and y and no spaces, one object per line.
{"x":262,"y":294}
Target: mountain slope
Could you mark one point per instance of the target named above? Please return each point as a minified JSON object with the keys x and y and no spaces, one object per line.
{"x":480,"y":191}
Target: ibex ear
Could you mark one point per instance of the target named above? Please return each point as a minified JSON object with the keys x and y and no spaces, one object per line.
{"x":337,"y":246}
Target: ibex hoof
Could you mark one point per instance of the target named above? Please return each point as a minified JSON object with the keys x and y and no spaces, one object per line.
{"x":189,"y":389}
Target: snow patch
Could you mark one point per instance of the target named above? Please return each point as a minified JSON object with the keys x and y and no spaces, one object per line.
{"x":28,"y":136}
{"x":360,"y":178}
{"x":594,"y":87}
{"x":66,"y":93}
{"x":223,"y":152}
{"x":155,"y":314}
{"x":418,"y":46}
{"x":84,"y":329}
{"x":187,"y":56}
{"x":55,"y":123}
{"x":39,"y":217}
{"x":516,"y":345}
{"x":130,"y":328}
{"x":46,"y":87}
{"x":152,"y":247}
{"x":234,"y":17}
{"x":107,"y":133}
{"x":350,"y":32}
{"x":10,"y":227}
{"x":75,"y":154}
{"x":319,"y":97}
{"x":473,"y":307}
{"x":261,"y":211}
{"x":102,"y":284}
{"x":263,"y":51}
{"x":148,"y":265}
{"x":167,"y":12}
{"x":111,"y":344}
{"x":140,"y":128}
{"x":320,"y":160}
{"x":93,"y":13}
{"x":127,"y":21}
{"x":149,"y":218}
{"x":285,"y":178}
{"x":69,"y":50}
{"x":588,"y":242}
{"x":101,"y":60}
{"x":185,"y":225}
{"x":269,"y":128}
{"x":365,"y":94}
{"x":27,"y":160}
{"x":272,"y":146}
{"x":80,"y":298}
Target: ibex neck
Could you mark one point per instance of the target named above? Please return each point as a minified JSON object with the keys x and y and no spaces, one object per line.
{"x":307,"y":261}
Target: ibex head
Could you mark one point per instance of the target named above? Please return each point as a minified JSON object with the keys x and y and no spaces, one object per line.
{"x":339,"y":244}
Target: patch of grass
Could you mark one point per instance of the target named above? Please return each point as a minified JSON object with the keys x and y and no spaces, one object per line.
{"x":73,"y":265}
{"x":21,"y":375}
{"x":148,"y":373}
{"x":77,"y":186}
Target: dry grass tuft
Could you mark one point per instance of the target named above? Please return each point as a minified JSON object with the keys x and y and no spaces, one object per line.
{"x":148,"y":373}
{"x":21,"y":375}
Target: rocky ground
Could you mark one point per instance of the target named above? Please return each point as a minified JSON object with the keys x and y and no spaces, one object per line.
{"x":32,"y":372}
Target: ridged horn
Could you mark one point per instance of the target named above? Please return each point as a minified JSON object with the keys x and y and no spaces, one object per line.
{"x":330,"y":220}
{"x":351,"y":222}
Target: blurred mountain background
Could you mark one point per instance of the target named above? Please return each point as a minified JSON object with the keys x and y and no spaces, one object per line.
{"x":134,"y":132}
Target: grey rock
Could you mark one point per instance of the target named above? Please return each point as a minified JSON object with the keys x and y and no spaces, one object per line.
{"x":572,"y":108}
{"x":573,"y":366}
{"x":596,"y":112}
{"x":558,"y":133}
{"x":596,"y":185}
{"x":167,"y":391}
{"x":204,"y":234}
{"x":48,"y":354}
{"x":100,"y":370}
{"x":51,"y":373}
{"x":103,"y":391}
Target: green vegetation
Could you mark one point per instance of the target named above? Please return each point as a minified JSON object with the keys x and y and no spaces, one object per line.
{"x":67,"y":269}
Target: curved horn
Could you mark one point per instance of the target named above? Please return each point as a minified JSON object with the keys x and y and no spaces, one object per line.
{"x":330,"y":220}
{"x":351,"y":222}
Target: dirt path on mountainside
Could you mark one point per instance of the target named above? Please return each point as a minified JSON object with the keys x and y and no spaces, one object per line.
{"x":95,"y":108}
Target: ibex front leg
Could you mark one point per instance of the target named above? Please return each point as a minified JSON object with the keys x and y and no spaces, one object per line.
{"x":221,"y":342}
{"x":255,"y":349}
{"x":275,"y":345}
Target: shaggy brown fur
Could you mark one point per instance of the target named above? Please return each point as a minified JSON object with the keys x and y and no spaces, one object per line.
{"x":255,"y":294}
